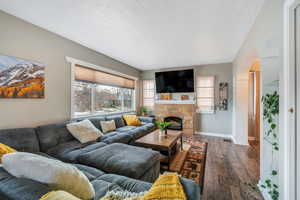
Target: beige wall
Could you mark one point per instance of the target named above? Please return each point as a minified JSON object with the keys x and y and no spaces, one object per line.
{"x":219,"y":122}
{"x":24,"y":40}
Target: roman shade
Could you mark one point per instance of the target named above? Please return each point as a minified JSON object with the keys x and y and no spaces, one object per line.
{"x":148,"y":93}
{"x":205,"y":93}
{"x":94,"y":76}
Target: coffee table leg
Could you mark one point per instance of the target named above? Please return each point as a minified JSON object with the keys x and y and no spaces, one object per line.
{"x":169,"y":159}
{"x":181,"y":142}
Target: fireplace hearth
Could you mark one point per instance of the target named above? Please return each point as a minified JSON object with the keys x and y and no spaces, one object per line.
{"x":177,"y":123}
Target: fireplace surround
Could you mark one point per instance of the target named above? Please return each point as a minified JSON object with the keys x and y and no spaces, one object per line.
{"x":183,"y":110}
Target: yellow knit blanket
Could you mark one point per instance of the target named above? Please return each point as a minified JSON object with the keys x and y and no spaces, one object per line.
{"x":166,"y":187}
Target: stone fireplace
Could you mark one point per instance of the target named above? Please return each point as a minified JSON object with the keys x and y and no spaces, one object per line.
{"x":185,"y":112}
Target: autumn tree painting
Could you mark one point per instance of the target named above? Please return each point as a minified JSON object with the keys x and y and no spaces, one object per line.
{"x":20,"y":78}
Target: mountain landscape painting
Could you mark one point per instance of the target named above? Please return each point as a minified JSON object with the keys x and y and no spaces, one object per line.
{"x":20,"y":78}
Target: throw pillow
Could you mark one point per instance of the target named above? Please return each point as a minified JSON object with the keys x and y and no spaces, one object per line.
{"x":84,"y":131}
{"x":167,"y":186}
{"x":57,"y":174}
{"x":132,"y":120}
{"x":108,"y":126}
{"x":4,"y":149}
{"x":58,"y":195}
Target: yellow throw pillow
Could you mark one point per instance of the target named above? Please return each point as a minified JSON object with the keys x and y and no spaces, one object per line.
{"x":166,"y":187}
{"x":4,"y":149}
{"x":58,"y":195}
{"x":132,"y":120}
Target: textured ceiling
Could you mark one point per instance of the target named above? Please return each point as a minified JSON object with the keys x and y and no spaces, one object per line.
{"x":147,"y":34}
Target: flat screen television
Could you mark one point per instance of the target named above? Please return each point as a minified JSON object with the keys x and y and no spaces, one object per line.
{"x":175,"y":81}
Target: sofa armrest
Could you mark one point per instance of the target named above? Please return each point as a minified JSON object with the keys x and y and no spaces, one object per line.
{"x":147,"y":119}
{"x":191,"y":189}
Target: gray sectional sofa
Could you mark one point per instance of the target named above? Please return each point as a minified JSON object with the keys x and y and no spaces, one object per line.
{"x":110,"y":163}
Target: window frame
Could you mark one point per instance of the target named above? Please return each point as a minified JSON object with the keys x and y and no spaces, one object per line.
{"x":212,"y":111}
{"x":143,"y":89}
{"x":75,"y":62}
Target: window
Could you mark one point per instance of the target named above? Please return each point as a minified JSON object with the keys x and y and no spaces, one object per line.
{"x":206,"y":94}
{"x":148,"y":93}
{"x":96,"y":92}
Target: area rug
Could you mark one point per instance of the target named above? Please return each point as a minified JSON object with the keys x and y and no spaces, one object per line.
{"x":190,"y":163}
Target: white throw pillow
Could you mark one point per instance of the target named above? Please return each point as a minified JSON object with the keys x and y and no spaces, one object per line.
{"x":57,"y":174}
{"x":84,"y":131}
{"x":108,"y":126}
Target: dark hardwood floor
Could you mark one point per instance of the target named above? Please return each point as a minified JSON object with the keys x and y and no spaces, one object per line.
{"x":232,"y":171}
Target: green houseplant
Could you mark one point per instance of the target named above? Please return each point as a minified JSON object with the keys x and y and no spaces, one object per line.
{"x":162,"y":125}
{"x":143,"y":110}
{"x":270,"y":113}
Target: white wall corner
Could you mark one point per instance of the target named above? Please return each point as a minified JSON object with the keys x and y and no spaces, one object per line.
{"x":240,"y":142}
{"x":264,"y":193}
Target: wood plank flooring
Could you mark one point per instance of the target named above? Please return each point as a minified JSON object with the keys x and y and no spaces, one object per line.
{"x":232,"y":171}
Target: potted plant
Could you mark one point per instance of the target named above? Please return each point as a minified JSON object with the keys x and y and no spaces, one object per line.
{"x":143,"y":110}
{"x":162,"y":125}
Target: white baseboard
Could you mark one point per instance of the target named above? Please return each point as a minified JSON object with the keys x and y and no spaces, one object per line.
{"x":215,"y":135}
{"x":233,"y":139}
{"x":264,"y":193}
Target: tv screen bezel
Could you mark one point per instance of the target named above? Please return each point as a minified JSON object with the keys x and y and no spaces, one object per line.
{"x":191,"y":91}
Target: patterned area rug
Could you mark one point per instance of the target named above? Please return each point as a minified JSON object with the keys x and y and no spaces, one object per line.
{"x":190,"y":162}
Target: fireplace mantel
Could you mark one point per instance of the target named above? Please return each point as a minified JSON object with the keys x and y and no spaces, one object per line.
{"x":174,"y":102}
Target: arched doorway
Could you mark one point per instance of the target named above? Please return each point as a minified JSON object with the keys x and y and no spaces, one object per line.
{"x":254,"y":105}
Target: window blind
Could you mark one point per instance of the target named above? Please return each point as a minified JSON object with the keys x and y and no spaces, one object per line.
{"x":94,"y":76}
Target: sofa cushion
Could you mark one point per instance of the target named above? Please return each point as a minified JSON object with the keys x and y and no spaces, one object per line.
{"x":22,"y":139}
{"x":147,"y":119}
{"x":12,"y":188}
{"x":116,"y":137}
{"x":118,"y":120}
{"x":149,"y":126}
{"x":121,"y":159}
{"x":126,"y":128}
{"x":90,"y":172}
{"x":126,"y":183}
{"x":53,"y":134}
{"x":69,"y":151}
{"x":102,"y":187}
{"x":136,"y":134}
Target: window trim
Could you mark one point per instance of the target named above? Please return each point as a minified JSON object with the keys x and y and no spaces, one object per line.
{"x":213,"y":111}
{"x":74,"y":62}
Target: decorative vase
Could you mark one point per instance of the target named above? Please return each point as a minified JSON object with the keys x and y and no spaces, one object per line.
{"x":161,"y":132}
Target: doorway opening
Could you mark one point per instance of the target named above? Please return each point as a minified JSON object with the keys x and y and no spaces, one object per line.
{"x":254,"y":106}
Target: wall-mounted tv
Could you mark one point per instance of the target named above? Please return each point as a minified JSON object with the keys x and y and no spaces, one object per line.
{"x":175,"y":81}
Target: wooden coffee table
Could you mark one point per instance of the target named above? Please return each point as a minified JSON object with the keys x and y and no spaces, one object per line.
{"x":160,"y":143}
